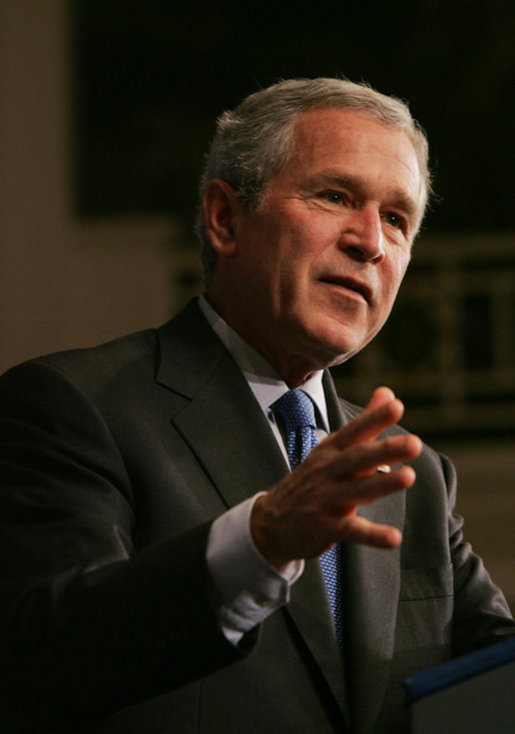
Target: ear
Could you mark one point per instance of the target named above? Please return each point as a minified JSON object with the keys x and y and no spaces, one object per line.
{"x":220,"y":208}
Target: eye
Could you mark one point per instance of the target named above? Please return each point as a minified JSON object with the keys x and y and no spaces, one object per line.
{"x":394,"y":220}
{"x":333,"y":197}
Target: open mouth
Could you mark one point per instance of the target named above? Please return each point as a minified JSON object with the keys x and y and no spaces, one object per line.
{"x":351,"y":285}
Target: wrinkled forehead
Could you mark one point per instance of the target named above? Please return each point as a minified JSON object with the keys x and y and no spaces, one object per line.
{"x":326,"y":132}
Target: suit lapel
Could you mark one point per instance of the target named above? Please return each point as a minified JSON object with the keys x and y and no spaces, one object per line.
{"x":231,"y":437}
{"x":310,"y":612}
{"x":371,"y":582}
{"x":220,"y":419}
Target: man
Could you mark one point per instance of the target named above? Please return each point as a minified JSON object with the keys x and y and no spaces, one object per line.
{"x":133,"y":599}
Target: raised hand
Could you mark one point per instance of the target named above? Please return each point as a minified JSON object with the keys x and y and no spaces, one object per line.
{"x":315,"y":506}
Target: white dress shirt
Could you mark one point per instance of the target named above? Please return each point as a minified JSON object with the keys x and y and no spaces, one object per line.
{"x":245,"y":588}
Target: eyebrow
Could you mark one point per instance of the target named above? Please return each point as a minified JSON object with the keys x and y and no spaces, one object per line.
{"x":350,"y":181}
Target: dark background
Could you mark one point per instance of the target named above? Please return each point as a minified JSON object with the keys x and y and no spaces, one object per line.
{"x":151,"y":77}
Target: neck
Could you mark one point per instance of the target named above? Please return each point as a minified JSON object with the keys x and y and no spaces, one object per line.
{"x":295,"y":372}
{"x":293,"y":369}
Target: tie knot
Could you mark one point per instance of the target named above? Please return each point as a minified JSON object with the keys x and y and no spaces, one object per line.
{"x":296,"y":410}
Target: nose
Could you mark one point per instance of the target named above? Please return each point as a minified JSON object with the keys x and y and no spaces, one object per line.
{"x":362,"y":235}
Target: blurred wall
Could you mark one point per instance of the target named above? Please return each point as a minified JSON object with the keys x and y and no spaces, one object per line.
{"x":63,"y":282}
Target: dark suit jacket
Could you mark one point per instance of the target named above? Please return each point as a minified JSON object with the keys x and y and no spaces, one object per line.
{"x":113,"y":463}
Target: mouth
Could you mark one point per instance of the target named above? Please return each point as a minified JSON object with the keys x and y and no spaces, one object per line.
{"x":350,"y":284}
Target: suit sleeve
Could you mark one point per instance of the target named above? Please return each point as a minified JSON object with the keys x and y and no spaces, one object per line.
{"x":87,"y":624}
{"x":481,"y":615}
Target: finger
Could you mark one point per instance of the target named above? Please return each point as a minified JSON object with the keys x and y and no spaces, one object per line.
{"x":368,"y":424}
{"x":365,"y":458}
{"x":357,"y":529}
{"x":366,"y":489}
{"x":380,"y":396}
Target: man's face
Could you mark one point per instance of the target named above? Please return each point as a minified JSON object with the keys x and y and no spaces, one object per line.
{"x":317,"y":266}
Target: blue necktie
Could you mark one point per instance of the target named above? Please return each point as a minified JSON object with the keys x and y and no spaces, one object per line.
{"x":297,"y":413}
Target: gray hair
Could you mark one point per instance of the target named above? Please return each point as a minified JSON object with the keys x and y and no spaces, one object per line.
{"x":253,"y":142}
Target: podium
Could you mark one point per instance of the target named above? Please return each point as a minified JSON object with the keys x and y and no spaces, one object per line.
{"x":473,"y":694}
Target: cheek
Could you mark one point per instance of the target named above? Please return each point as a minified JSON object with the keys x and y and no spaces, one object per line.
{"x":310,"y":234}
{"x":396,"y":273}
{"x":295,"y":254}
{"x":391,"y":279}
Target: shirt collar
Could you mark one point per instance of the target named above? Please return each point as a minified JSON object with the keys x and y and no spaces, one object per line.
{"x":263,"y":380}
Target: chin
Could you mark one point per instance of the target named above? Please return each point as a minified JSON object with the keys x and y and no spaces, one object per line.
{"x":335,"y":350}
{"x":340,"y":342}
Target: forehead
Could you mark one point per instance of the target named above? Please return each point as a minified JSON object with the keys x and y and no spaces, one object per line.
{"x":346,"y":140}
